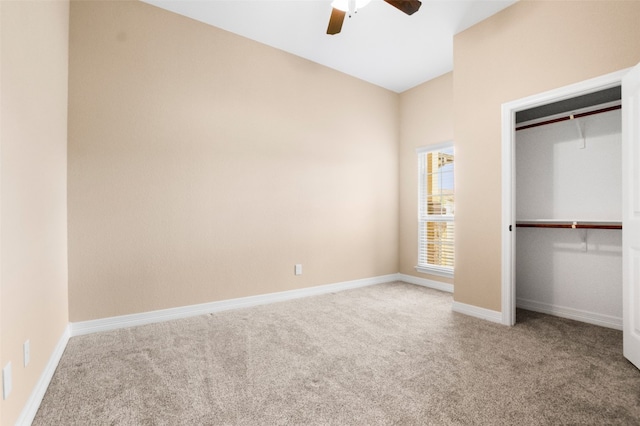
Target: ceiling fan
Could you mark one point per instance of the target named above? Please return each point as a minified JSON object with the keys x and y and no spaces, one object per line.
{"x":341,"y":7}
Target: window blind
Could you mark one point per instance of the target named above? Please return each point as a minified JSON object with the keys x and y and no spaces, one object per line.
{"x":436,"y":209}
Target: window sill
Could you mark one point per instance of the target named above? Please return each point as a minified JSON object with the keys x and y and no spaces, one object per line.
{"x":441,"y":272}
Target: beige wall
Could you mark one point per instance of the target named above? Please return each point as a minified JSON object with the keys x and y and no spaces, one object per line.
{"x":426,"y":118}
{"x":33,"y":135}
{"x":528,"y":48}
{"x":203,"y":166}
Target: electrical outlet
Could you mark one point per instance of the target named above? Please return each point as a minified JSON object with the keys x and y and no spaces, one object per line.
{"x":26,"y":351}
{"x":7,"y":383}
{"x":298,"y":269}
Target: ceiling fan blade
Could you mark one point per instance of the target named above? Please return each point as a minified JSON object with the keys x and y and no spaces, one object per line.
{"x":407,"y":6}
{"x":335,"y":22}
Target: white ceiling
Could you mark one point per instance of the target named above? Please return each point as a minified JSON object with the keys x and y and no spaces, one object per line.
{"x":379,"y":44}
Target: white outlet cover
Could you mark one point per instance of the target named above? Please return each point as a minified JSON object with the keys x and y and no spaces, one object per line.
{"x":298,"y":269}
{"x":7,"y":383}
{"x":26,"y":352}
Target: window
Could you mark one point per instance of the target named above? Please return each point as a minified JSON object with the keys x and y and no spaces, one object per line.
{"x":436,"y":210}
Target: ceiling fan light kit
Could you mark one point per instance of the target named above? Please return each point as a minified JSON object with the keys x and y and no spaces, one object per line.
{"x":339,"y":9}
{"x":350,"y":6}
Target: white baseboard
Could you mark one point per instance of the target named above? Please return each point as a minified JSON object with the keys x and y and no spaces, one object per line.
{"x":35,"y":399}
{"x":570,"y":313}
{"x":114,"y":323}
{"x":477,"y":312}
{"x":437,"y":285}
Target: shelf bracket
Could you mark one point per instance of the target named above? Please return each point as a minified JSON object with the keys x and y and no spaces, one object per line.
{"x":583,"y":234}
{"x":580,"y":127}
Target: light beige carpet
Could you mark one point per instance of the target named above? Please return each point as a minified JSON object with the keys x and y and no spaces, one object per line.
{"x":387,"y":354}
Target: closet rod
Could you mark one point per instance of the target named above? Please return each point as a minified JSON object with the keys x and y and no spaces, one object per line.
{"x":570,"y":117}
{"x":570,"y":225}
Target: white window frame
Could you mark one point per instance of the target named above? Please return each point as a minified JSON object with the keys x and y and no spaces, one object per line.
{"x":442,"y":271}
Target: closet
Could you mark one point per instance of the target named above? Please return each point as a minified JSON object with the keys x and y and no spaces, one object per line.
{"x":569,"y":208}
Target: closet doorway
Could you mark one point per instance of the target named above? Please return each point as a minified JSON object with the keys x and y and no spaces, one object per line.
{"x":571,"y":204}
{"x":568,"y":189}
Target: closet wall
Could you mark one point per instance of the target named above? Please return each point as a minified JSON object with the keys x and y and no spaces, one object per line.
{"x":570,"y":172}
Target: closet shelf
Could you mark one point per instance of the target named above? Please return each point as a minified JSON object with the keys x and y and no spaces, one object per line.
{"x":569,"y":224}
{"x":569,"y":117}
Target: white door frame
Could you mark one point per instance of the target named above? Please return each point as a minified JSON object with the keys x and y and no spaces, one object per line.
{"x":509,"y":110}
